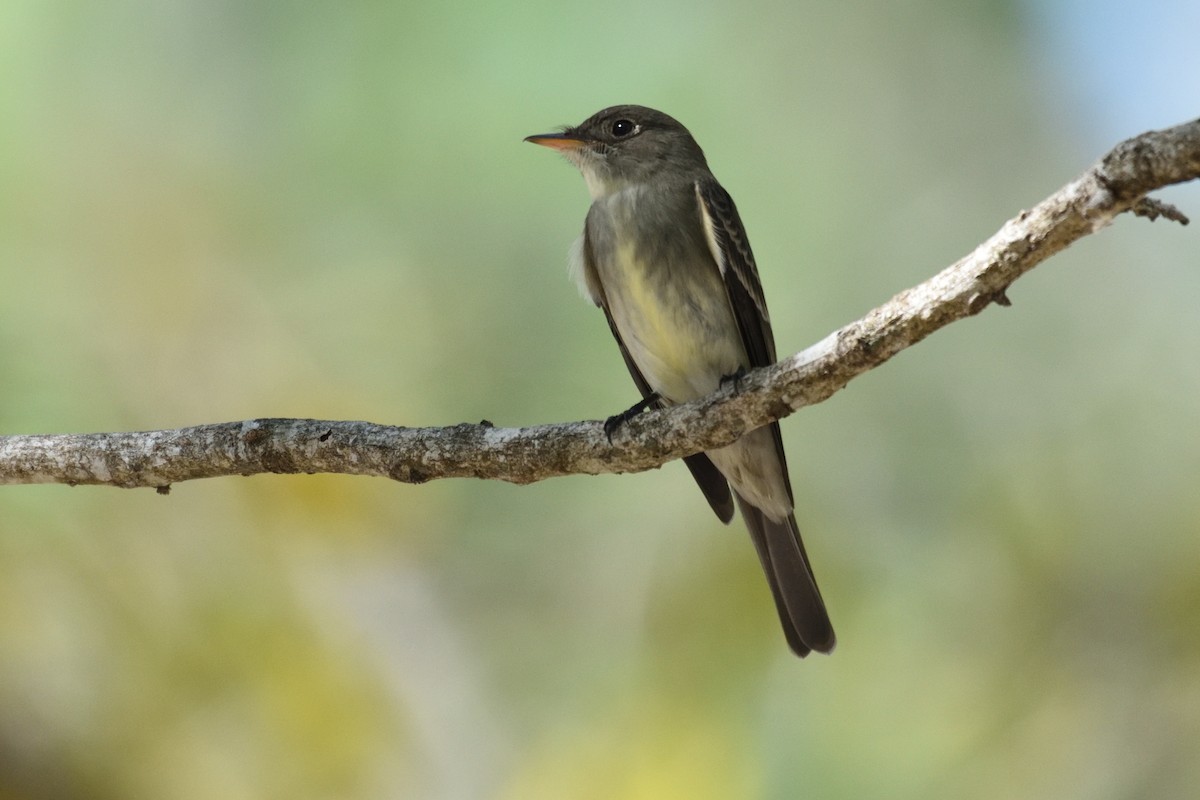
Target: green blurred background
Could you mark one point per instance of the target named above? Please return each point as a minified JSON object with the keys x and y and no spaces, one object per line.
{"x":215,"y":211}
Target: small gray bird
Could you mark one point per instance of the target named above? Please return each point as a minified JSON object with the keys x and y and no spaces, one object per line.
{"x":664,"y":254}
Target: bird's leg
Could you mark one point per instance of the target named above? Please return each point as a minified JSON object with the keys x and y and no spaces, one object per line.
{"x":735,"y":378}
{"x":617,"y":420}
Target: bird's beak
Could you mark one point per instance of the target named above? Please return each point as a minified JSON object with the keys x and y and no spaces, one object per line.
{"x":563,"y":142}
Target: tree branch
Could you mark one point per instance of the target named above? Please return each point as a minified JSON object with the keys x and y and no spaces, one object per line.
{"x":1119,"y":182}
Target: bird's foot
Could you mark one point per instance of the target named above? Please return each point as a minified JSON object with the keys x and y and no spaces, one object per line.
{"x":617,"y":420}
{"x":735,"y":378}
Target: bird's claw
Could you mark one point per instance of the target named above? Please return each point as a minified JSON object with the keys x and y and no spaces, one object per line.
{"x":617,"y":420}
{"x":735,"y":378}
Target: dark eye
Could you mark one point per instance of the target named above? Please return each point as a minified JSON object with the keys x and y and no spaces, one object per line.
{"x":622,"y":128}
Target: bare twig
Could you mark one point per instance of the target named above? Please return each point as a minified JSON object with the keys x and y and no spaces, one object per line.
{"x":1119,"y":182}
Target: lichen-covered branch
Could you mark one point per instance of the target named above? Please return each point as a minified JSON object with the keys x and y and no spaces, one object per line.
{"x":1119,"y":182}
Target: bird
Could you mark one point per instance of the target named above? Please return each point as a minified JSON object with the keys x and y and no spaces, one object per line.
{"x":665,"y":256}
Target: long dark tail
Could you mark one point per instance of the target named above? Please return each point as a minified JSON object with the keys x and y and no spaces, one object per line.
{"x":797,"y":598}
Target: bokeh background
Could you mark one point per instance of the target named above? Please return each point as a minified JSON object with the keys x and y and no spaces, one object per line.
{"x":212,"y":211}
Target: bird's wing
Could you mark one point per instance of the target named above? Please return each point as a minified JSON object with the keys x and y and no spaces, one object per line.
{"x":801,"y":609}
{"x":730,"y":248}
{"x":711,"y":482}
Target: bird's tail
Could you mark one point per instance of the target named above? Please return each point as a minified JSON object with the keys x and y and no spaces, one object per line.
{"x":797,"y":598}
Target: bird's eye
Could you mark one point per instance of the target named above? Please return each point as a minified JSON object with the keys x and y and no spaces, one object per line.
{"x":622,"y":128}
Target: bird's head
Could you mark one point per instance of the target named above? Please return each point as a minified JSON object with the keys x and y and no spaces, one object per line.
{"x":626,"y":145}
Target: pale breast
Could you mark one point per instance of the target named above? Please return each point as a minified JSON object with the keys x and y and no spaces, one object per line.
{"x":665,"y":294}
